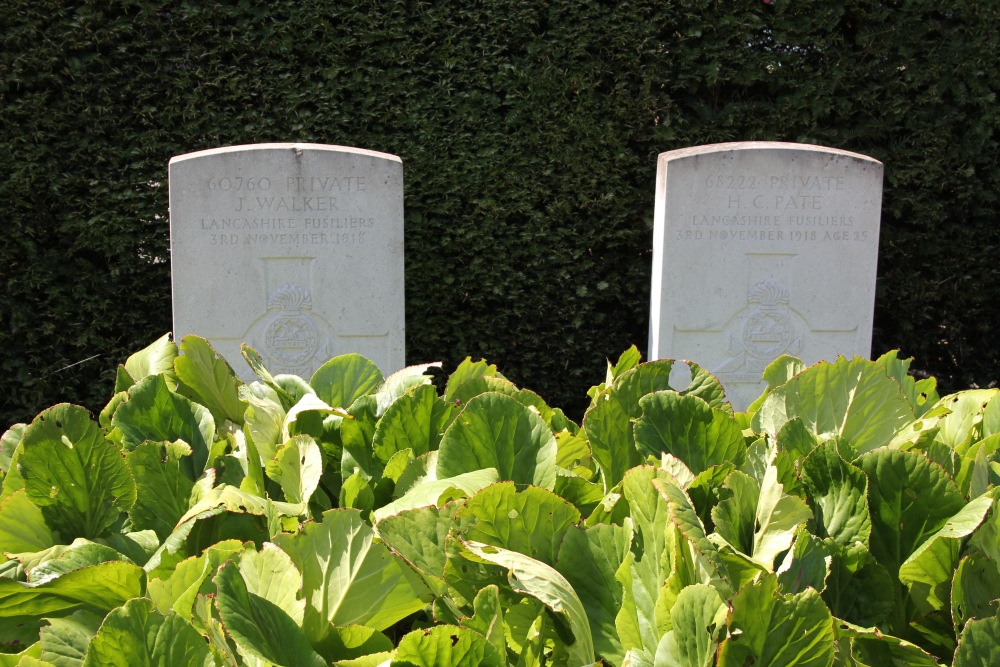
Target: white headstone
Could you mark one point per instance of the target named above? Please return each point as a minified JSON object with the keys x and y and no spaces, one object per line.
{"x":762,"y":249}
{"x":296,"y":249}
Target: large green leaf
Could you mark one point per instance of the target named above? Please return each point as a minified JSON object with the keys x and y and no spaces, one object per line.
{"x":98,"y":587}
{"x":687,"y":427}
{"x":162,"y":487}
{"x":655,"y":376}
{"x":735,"y":515}
{"x":247,"y":516}
{"x":574,"y":454}
{"x":698,"y":617}
{"x":347,"y":645}
{"x":264,"y":418}
{"x":208,"y":378}
{"x":869,"y":647}
{"x":153,"y":412}
{"x":348,"y":578}
{"x":495,"y":431}
{"x":921,"y":394}
{"x":973,"y":473}
{"x":641,"y":619}
{"x":766,"y":628}
{"x":910,"y":499}
{"x":685,"y":518}
{"x":589,"y":559}
{"x":473,"y":387}
{"x":929,"y":570}
{"x":488,"y":618}
{"x":781,"y":370}
{"x":611,"y":437}
{"x":536,"y":579}
{"x":838,"y":492}
{"x":987,"y":537}
{"x":77,"y":478}
{"x":178,"y":591}
{"x":858,"y":589}
{"x":532,"y":522}
{"x":342,"y":380}
{"x":963,"y":423}
{"x":806,"y":565}
{"x":853,"y":399}
{"x":271,"y":575}
{"x":9,"y":442}
{"x":467,"y":370}
{"x":430,"y":491}
{"x":975,"y":589}
{"x":297,"y":466}
{"x":415,"y":421}
{"x":256,"y":363}
{"x":627,"y":360}
{"x":418,"y":535}
{"x":446,"y":646}
{"x":259,"y":626}
{"x":399,"y":383}
{"x":979,"y":644}
{"x":157,"y":358}
{"x":22,"y":526}
{"x":135,"y":635}
{"x":67,"y":558}
{"x":779,"y":516}
{"x":609,"y":420}
{"x":307,"y":416}
{"x":64,"y":641}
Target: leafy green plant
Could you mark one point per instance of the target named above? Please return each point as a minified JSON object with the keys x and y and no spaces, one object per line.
{"x":848,"y":518}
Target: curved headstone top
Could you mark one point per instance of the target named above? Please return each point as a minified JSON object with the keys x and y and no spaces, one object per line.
{"x":285,"y":146}
{"x":294,"y":248}
{"x":763,"y":145}
{"x":762,"y":249}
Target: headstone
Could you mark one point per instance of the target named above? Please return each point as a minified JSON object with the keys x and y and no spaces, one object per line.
{"x":762,"y":249}
{"x":296,"y":249}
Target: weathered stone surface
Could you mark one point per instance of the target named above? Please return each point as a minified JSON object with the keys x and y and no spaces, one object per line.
{"x":296,"y":249}
{"x":762,"y":249}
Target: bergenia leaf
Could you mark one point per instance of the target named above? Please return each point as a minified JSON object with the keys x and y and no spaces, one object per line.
{"x":259,"y":626}
{"x":929,"y":570}
{"x":495,"y":431}
{"x":22,"y":526}
{"x":64,"y":641}
{"x":297,"y":466}
{"x":348,"y":578}
{"x":698,"y":618}
{"x":155,"y":359}
{"x":213,"y":383}
{"x":446,"y":646}
{"x":467,"y":370}
{"x":342,"y":380}
{"x":100,"y":587}
{"x":532,"y":522}
{"x":77,"y":478}
{"x":534,"y":578}
{"x":414,"y":421}
{"x":153,"y":412}
{"x":910,"y":499}
{"x":852,"y":399}
{"x":979,"y":644}
{"x":687,"y":427}
{"x":135,"y":635}
{"x":163,"y":487}
{"x":767,"y":628}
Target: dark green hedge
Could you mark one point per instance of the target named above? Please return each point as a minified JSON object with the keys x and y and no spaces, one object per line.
{"x":528,"y":132}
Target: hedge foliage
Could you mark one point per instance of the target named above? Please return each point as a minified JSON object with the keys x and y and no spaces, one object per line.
{"x":528,"y":133}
